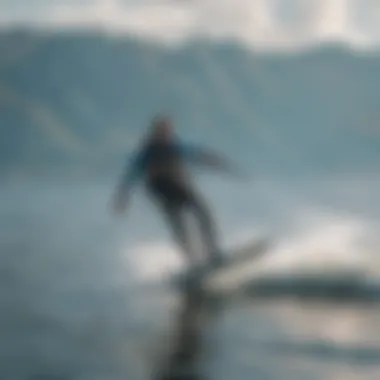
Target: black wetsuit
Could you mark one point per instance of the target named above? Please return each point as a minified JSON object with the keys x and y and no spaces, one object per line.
{"x":163,"y":166}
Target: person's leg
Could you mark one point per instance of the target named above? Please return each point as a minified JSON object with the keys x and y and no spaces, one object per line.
{"x":175,"y":220}
{"x":207,"y":227}
{"x":173,"y":197}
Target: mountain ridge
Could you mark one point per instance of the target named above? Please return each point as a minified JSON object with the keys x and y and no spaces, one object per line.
{"x":78,"y":102}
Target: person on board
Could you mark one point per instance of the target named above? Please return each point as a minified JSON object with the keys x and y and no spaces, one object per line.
{"x":161,"y":161}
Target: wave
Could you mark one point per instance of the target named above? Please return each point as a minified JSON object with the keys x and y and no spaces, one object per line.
{"x":317,"y":257}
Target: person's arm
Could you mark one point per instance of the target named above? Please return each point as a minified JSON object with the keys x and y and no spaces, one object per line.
{"x":208,"y":158}
{"x":132,"y":173}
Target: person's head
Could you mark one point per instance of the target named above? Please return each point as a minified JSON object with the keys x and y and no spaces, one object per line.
{"x":162,"y":129}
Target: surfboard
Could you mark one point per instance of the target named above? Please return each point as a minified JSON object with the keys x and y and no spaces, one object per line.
{"x":247,"y":252}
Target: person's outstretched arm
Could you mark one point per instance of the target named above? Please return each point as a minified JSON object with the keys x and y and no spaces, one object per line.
{"x":209,"y":158}
{"x":132,"y":173}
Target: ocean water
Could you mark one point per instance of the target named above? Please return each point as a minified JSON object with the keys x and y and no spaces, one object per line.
{"x":84,"y":296}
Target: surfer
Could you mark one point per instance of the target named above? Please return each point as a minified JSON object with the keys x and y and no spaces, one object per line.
{"x":161,"y":160}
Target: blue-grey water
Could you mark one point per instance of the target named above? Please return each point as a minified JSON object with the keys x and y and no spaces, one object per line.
{"x":77,"y":300}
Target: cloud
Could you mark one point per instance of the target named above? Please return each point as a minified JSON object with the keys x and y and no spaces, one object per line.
{"x":262,"y":23}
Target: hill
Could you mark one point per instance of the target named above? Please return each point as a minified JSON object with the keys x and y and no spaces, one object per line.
{"x":75,"y":103}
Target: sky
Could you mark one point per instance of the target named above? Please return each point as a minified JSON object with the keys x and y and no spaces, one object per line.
{"x":260,"y":23}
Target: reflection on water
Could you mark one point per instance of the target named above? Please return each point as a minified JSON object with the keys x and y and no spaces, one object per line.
{"x":192,"y":321}
{"x":288,"y":339}
{"x":71,"y":309}
{"x":299,"y":340}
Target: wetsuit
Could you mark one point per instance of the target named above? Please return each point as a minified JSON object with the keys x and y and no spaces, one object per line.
{"x":162,"y":164}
